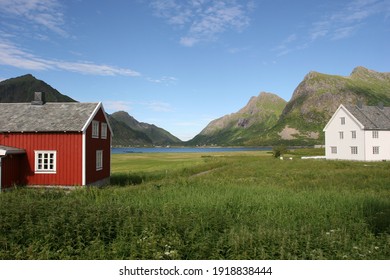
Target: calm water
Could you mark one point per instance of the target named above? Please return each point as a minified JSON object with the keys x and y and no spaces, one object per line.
{"x":185,"y":150}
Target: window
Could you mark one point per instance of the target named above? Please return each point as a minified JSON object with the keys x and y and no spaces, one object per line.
{"x":333,"y":150}
{"x":375,"y":150}
{"x":45,"y":161}
{"x":341,"y":134}
{"x":99,"y":160}
{"x":104,"y":131}
{"x":354,"y":150}
{"x":95,"y":129}
{"x":375,"y":134}
{"x":353,"y":134}
{"x":342,"y":120}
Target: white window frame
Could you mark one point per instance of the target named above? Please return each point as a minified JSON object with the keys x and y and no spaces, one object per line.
{"x":46,"y":162}
{"x":375,"y":134}
{"x":99,"y":160}
{"x":353,"y":134}
{"x":103,"y":133}
{"x":354,"y":150}
{"x":95,"y":129}
{"x":375,"y":150}
{"x":333,"y":150}
{"x":341,"y":134}
{"x":342,"y":120}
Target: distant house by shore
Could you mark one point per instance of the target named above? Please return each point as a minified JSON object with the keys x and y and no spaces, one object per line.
{"x":54,"y":144}
{"x":358,"y":133}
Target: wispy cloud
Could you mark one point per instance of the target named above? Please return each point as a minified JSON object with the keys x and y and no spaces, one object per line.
{"x":43,"y":13}
{"x":346,"y":21}
{"x":285,"y":47}
{"x":12,"y":55}
{"x":154,"y":106}
{"x":158,"y":106}
{"x":336,"y":25}
{"x":163,"y":80}
{"x":203,"y":20}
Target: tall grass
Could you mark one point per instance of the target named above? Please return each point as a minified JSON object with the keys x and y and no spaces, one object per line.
{"x":233,"y":206}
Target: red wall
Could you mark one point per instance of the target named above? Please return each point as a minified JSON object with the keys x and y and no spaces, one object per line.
{"x":94,"y":144}
{"x":69,"y":160}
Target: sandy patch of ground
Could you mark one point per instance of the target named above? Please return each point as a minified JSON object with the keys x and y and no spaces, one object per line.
{"x":288,"y":133}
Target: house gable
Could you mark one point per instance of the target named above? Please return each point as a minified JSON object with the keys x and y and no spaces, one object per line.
{"x":346,"y":113}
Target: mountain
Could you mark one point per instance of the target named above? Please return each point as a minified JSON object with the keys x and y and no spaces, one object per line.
{"x":124,"y":136}
{"x":156,"y":135}
{"x":21,"y":89}
{"x":318,"y":96}
{"x":259,"y":115}
{"x":127,"y":131}
{"x":267,"y":120}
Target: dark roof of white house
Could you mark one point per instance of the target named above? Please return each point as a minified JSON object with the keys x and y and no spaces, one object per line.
{"x":27,"y":117}
{"x":371,"y":117}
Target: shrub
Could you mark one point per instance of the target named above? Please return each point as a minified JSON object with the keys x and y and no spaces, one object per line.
{"x":279,"y":151}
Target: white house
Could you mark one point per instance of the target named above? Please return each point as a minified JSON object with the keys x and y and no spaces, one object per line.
{"x":358,"y":133}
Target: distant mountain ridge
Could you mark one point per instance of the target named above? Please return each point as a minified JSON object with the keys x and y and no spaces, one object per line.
{"x":302,"y":119}
{"x":260,"y":114}
{"x":157,"y":135}
{"x":127,"y":131}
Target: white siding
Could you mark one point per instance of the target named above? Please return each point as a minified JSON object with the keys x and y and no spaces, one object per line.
{"x":343,"y":121}
{"x":383,"y":142}
{"x":337,"y":148}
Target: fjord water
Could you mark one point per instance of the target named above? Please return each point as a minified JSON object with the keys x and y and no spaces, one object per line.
{"x":187,"y":149}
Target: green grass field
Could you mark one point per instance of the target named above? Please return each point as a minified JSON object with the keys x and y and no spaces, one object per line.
{"x":207,"y":206}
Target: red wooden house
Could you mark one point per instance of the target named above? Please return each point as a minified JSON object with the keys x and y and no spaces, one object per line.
{"x":54,"y":144}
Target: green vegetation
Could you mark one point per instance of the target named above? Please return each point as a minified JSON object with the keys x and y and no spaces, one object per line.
{"x":207,"y":206}
{"x":21,"y":89}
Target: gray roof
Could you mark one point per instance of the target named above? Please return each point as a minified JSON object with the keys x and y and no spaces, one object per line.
{"x":371,"y":117}
{"x":69,"y":116}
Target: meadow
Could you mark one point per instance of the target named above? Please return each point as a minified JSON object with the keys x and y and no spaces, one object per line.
{"x":241,"y":205}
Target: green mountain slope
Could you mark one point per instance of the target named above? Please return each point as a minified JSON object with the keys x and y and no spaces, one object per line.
{"x":316,"y":99}
{"x":125,"y":136}
{"x":259,"y":115}
{"x":157,"y":135}
{"x":21,"y":89}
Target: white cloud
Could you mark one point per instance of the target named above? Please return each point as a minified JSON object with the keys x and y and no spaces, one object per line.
{"x":17,"y":57}
{"x":43,"y":13}
{"x":285,"y":47}
{"x":94,"y":69}
{"x":158,"y":106}
{"x":204,"y":20}
{"x":345,"y":22}
{"x":114,"y":106}
{"x":163,"y":80}
{"x":336,"y":25}
{"x":12,"y":55}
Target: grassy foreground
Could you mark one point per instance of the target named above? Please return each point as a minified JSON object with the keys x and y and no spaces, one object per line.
{"x":207,"y":206}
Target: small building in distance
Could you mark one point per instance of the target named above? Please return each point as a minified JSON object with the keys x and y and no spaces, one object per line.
{"x":54,"y":144}
{"x":358,"y":133}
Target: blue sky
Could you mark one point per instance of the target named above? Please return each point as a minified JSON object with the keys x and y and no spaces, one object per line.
{"x":180,"y":64}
